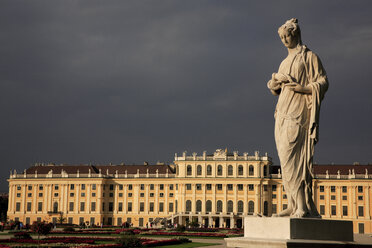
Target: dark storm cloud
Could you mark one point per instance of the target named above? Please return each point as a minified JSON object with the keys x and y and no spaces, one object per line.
{"x":113,"y":81}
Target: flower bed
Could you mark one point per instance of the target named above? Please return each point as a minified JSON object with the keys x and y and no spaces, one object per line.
{"x":51,"y":240}
{"x":198,"y":234}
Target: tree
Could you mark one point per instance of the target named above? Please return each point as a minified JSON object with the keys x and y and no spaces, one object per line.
{"x":41,"y":228}
{"x":61,"y":219}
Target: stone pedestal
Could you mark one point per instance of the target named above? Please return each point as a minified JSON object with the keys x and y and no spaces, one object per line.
{"x":292,"y":232}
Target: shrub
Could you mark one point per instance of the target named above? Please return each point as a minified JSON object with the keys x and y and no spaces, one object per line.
{"x":41,"y":228}
{"x":129,"y":241}
{"x":22,"y":235}
{"x":180,"y":228}
{"x":69,"y":229}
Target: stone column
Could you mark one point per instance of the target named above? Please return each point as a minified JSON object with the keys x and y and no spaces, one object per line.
{"x":88,"y":196}
{"x":193,"y":202}
{"x":235,"y":189}
{"x":354,"y":201}
{"x":136,"y":199}
{"x":221,"y":222}
{"x":125,"y":203}
{"x":77,"y":197}
{"x":204,"y":198}
{"x":224,"y":205}
{"x":99,"y":199}
{"x":245,"y":187}
{"x":166,"y":205}
{"x":183,"y":198}
{"x":116,"y":198}
{"x":24,"y":192}
{"x":213,"y":198}
{"x":147,"y":198}
{"x":339,"y":205}
{"x":35,"y":197}
{"x":210,"y":221}
{"x":232,"y":222}
{"x":156,"y":207}
{"x":256,"y":199}
{"x":368,"y":214}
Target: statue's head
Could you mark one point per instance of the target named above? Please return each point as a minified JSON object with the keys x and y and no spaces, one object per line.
{"x":290,"y":33}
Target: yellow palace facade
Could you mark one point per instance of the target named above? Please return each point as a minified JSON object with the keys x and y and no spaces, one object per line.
{"x":216,"y":190}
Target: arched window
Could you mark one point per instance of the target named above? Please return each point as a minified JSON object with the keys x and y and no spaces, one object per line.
{"x":198,"y":206}
{"x":55,"y":207}
{"x":189,"y":170}
{"x":188,"y":206}
{"x":240,"y":206}
{"x":266,"y":208}
{"x":230,"y":170}
{"x":219,"y":170}
{"x":230,"y":206}
{"x":199,"y":170}
{"x":240,"y":170}
{"x":219,"y":206}
{"x":250,"y":207}
{"x":265,"y":171}
{"x":208,"y":206}
{"x":209,"y":170}
{"x":251,"y":170}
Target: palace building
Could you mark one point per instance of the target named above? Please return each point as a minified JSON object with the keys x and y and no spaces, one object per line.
{"x":218,"y":190}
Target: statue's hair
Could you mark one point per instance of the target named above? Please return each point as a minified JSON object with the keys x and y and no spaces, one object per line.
{"x":291,"y":26}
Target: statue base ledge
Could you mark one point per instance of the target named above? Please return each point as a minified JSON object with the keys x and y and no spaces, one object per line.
{"x":283,"y":243}
{"x":284,"y":228}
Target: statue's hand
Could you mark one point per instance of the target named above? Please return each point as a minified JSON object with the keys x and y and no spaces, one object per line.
{"x":299,"y":88}
{"x":280,"y":77}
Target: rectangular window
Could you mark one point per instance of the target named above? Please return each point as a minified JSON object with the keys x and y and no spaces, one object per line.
{"x":120,"y":194}
{"x":71,"y":206}
{"x":81,"y":220}
{"x":321,"y":188}
{"x":284,"y":206}
{"x":274,"y":208}
{"x":93,"y":207}
{"x":170,"y":194}
{"x":39,"y":206}
{"x":83,"y":187}
{"x":94,"y":186}
{"x":151,"y":207}
{"x":28,"y":220}
{"x":40,"y":194}
{"x":82,"y":206}
{"x":333,"y":197}
{"x":198,"y":186}
{"x":121,"y":187}
{"x":55,"y":194}
{"x":161,"y":206}
{"x":344,"y":210}
{"x":170,"y":186}
{"x":360,"y":198}
{"x":333,"y":189}
{"x":70,"y":220}
{"x":28,"y":206}
{"x":142,"y":194}
{"x":273,"y":196}
{"x":142,"y":206}
{"x":344,"y":189}
{"x":18,"y":194}
{"x":219,"y":186}
{"x":38,"y":219}
{"x":29,"y":187}
{"x":151,"y":186}
{"x":56,"y":187}
{"x":130,"y":186}
{"x":18,"y":187}
{"x":120,"y":207}
{"x":142,"y":187}
{"x":129,"y":194}
{"x":103,"y":207}
{"x":72,"y":194}
{"x":161,"y":186}
{"x":41,"y":187}
{"x":119,"y":221}
{"x":129,"y":220}
{"x":93,"y":194}
{"x":30,"y":194}
{"x":229,"y":187}
{"x":140,"y":222}
{"x":111,"y":206}
{"x":170,"y":209}
{"x":273,"y":187}
{"x":344,"y":197}
{"x":209,"y":186}
{"x":72,"y":186}
{"x":333,"y":210}
{"x":265,"y":187}
{"x":188,"y":186}
{"x":82,"y":194}
{"x":161,"y":195}
{"x":321,"y":197}
{"x":250,"y":187}
{"x":92,"y":221}
{"x":360,"y":211}
{"x":285,"y":196}
{"x":240,"y":187}
{"x":111,"y":187}
{"x":151,"y":194}
{"x":361,"y":228}
{"x":360,"y":189}
{"x":129,"y":207}
{"x":322,"y":210}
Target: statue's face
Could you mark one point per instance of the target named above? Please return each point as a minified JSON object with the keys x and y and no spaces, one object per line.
{"x":289,"y":40}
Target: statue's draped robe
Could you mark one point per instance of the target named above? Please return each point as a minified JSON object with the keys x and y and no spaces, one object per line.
{"x":296,"y":125}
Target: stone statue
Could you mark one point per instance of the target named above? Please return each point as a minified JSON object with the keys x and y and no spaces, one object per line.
{"x":300,"y":83}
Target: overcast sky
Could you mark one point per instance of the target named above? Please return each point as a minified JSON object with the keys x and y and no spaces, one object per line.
{"x":134,"y":81}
